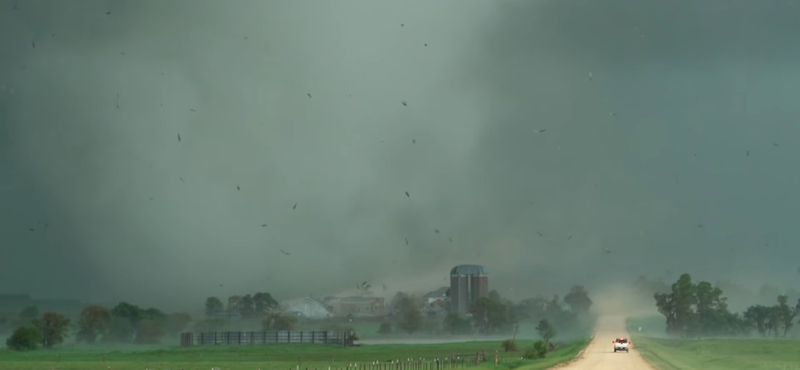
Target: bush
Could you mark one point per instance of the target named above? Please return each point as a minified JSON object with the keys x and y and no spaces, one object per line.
{"x":24,"y":338}
{"x":539,"y":350}
{"x":509,"y":345}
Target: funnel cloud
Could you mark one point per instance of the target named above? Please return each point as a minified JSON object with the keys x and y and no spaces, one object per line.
{"x":162,"y":152}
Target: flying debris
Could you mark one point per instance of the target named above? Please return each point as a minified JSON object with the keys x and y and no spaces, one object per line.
{"x":748,"y":154}
{"x":238,"y":188}
{"x":541,"y":131}
{"x":569,"y":237}
{"x":606,"y":250}
{"x":192,"y":110}
{"x":182,"y":179}
{"x":179,"y":137}
{"x":285,"y":252}
{"x":407,"y":195}
{"x":436,"y":230}
{"x":405,"y":103}
{"x":294,"y":206}
{"x":263,"y":225}
{"x":309,"y":95}
{"x":31,"y":229}
{"x":590,"y":76}
{"x":540,"y":233}
{"x":406,"y":241}
{"x":117,"y":105}
{"x":413,"y":141}
{"x":451,"y":239}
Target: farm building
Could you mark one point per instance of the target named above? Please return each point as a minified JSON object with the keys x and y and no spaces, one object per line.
{"x":439,"y":295}
{"x":358,"y":306}
{"x":310,"y":308}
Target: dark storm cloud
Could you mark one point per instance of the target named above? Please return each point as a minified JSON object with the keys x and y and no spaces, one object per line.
{"x":651,"y":110}
{"x":484,"y":112}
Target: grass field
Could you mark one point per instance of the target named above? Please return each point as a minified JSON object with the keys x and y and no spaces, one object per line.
{"x":712,"y":354}
{"x":272,"y":357}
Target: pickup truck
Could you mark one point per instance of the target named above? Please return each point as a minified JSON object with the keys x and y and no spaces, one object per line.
{"x":622,"y":344}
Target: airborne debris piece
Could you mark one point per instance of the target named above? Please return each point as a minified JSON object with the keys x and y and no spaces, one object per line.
{"x":407,"y":195}
{"x":540,"y":233}
{"x":401,"y":24}
{"x":406,"y":239}
{"x":426,"y":45}
{"x":413,"y":141}
{"x":590,"y":76}
{"x":31,"y":229}
{"x":776,"y":144}
{"x":285,"y":252}
{"x":541,"y":130}
{"x":182,"y":179}
{"x":606,"y":250}
{"x":700,"y":226}
{"x":108,"y":13}
{"x":451,"y":239}
{"x":238,"y":188}
{"x":748,"y":154}
{"x":117,"y":104}
{"x":263,"y":225}
{"x":309,"y":94}
{"x":569,"y":237}
{"x":405,"y":103}
{"x":294,"y":206}
{"x":179,"y":137}
{"x":436,"y":230}
{"x":192,"y":109}
{"x":33,"y":43}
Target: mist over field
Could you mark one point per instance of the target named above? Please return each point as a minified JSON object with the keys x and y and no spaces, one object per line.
{"x":161,"y":152}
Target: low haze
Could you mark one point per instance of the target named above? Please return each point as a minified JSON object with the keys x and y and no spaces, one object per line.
{"x":164,"y":151}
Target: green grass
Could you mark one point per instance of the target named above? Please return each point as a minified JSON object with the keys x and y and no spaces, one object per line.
{"x":711,"y":354}
{"x":269,"y":357}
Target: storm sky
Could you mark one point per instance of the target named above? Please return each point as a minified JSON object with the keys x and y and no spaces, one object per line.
{"x":531,"y":134}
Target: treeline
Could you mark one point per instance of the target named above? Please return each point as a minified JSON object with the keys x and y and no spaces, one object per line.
{"x":124,"y":323}
{"x":491,"y":315}
{"x":701,"y":310}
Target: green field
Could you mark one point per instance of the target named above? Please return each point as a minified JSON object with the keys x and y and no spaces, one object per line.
{"x":273,"y":357}
{"x":712,"y":354}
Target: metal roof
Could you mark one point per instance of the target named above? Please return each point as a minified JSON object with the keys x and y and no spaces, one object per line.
{"x":468,"y":270}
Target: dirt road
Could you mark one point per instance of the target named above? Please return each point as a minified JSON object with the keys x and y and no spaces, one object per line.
{"x":599,"y":355}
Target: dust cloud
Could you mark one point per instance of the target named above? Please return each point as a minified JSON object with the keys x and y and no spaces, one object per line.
{"x":164,"y":151}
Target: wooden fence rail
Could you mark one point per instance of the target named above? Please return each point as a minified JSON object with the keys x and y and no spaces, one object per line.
{"x":261,"y":337}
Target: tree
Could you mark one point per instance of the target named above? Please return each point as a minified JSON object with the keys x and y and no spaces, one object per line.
{"x":494,"y":295}
{"x":758,"y":314}
{"x":538,"y":351}
{"x":787,"y":314}
{"x":129,"y":312}
{"x":546,"y":330}
{"x":385,"y":328}
{"x":677,"y":305}
{"x":149,"y":331}
{"x":264,"y":303}
{"x":214,"y":305}
{"x":94,"y":321}
{"x":53,"y":327}
{"x":247,"y":306}
{"x":177,"y":322}
{"x":490,"y":316}
{"x":24,"y":338}
{"x":456,"y":325}
{"x":409,"y":318}
{"x":578,"y":300}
